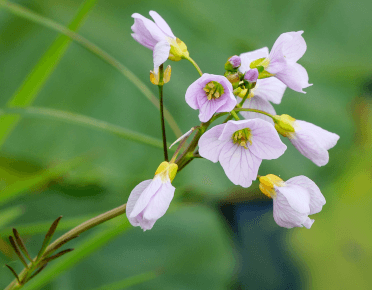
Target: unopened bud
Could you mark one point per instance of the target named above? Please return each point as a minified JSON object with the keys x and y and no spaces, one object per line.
{"x":233,"y":63}
{"x":251,"y":76}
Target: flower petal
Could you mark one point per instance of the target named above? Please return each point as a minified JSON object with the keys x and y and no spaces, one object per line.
{"x":160,"y":202}
{"x":317,"y":199}
{"x":209,"y":144}
{"x":325,"y":138}
{"x":270,"y":89}
{"x":145,"y":224}
{"x":294,"y":49}
{"x":256,"y":102}
{"x":294,"y":76}
{"x":160,"y":54}
{"x":147,"y":28}
{"x":146,"y":196}
{"x":291,"y":206}
{"x":132,"y":200}
{"x":161,"y":23}
{"x":248,"y":57}
{"x":240,"y":166}
{"x":266,"y":143}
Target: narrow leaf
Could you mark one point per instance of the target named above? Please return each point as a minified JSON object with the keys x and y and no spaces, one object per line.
{"x":14,"y":273}
{"x":61,"y":253}
{"x":46,"y":22}
{"x":21,"y":244}
{"x":82,"y":120}
{"x":17,"y":251}
{"x":37,"y":272}
{"x":35,"y":81}
{"x":48,"y":237}
{"x":64,"y":242}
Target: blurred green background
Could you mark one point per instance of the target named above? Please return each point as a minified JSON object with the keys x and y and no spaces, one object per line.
{"x":85,"y":171}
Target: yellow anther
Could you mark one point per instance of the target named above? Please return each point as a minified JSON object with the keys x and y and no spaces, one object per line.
{"x":242,"y":137}
{"x":213,"y":90}
{"x":267,"y":184}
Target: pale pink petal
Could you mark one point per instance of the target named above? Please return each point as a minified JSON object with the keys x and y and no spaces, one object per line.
{"x":270,"y":89}
{"x":317,"y":199}
{"x":294,"y":76}
{"x":143,"y":223}
{"x":146,"y":196}
{"x":266,"y":143}
{"x":160,"y":202}
{"x":325,"y":138}
{"x":232,"y":126}
{"x":291,"y":207}
{"x":248,"y":57}
{"x":144,"y":41}
{"x":161,"y":53}
{"x":208,"y":108}
{"x":146,"y":27}
{"x":133,"y":197}
{"x":209,"y":144}
{"x":161,"y":23}
{"x":240,"y":166}
{"x":294,"y":49}
{"x":256,"y":102}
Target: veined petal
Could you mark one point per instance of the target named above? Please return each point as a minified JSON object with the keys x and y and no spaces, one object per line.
{"x":232,"y":126}
{"x":146,"y":196}
{"x":248,"y":57}
{"x":266,"y":143}
{"x":325,"y":138}
{"x":297,"y":197}
{"x":256,"y":102}
{"x":143,"y":223}
{"x":276,"y":52}
{"x":156,"y":33}
{"x":161,"y":53}
{"x":208,"y":108}
{"x":141,"y":34}
{"x":270,"y":89}
{"x":133,"y":197}
{"x":317,"y":199}
{"x":159,"y":203}
{"x":161,"y":23}
{"x":240,"y":166}
{"x":294,"y":76}
{"x":294,"y":49}
{"x":209,"y":144}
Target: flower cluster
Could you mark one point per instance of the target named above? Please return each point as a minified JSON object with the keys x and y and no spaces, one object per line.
{"x":251,"y":82}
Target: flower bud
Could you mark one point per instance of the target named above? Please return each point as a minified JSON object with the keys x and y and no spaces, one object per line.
{"x":284,"y":124}
{"x":233,"y":63}
{"x":251,"y":76}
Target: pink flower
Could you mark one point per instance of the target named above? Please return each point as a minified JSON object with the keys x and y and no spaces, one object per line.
{"x":282,"y":61}
{"x":150,"y":199}
{"x":265,"y":91}
{"x":293,"y":200}
{"x":312,"y":141}
{"x":240,"y":147}
{"x":210,"y":94}
{"x":158,"y":37}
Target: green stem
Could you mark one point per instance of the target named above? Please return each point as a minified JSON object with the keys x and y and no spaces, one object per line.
{"x":194,"y":64}
{"x":68,"y":236}
{"x":32,"y":16}
{"x":256,"y":111}
{"x":244,"y":98}
{"x":235,"y":115}
{"x":161,"y":84}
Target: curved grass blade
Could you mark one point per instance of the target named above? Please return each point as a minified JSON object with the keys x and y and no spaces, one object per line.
{"x":21,"y":244}
{"x":34,"y":82}
{"x":32,"y":16}
{"x":85,"y":121}
{"x":131,"y":281}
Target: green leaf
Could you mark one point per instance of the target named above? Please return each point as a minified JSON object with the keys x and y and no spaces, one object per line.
{"x":131,"y":281}
{"x":82,"y":120}
{"x":35,"y":81}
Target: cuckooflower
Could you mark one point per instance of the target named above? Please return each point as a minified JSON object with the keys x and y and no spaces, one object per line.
{"x":240,"y":147}
{"x":282,"y":61}
{"x":293,"y":200}
{"x":312,"y":141}
{"x":158,"y":37}
{"x":150,"y":199}
{"x":265,"y":91}
{"x":210,"y":94}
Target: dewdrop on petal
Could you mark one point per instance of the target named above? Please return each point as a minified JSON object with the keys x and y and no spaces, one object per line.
{"x":150,"y":199}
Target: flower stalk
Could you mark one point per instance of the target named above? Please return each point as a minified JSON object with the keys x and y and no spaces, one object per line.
{"x":160,"y":86}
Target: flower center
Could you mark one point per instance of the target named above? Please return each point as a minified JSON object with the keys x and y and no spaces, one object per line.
{"x":213,"y":90}
{"x":241,"y":137}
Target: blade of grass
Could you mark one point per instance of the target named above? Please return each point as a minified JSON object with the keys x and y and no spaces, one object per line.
{"x":46,"y":22}
{"x":36,"y":79}
{"x":85,"y":121}
{"x":39,"y":179}
{"x":130,"y":281}
{"x":82,"y":250}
